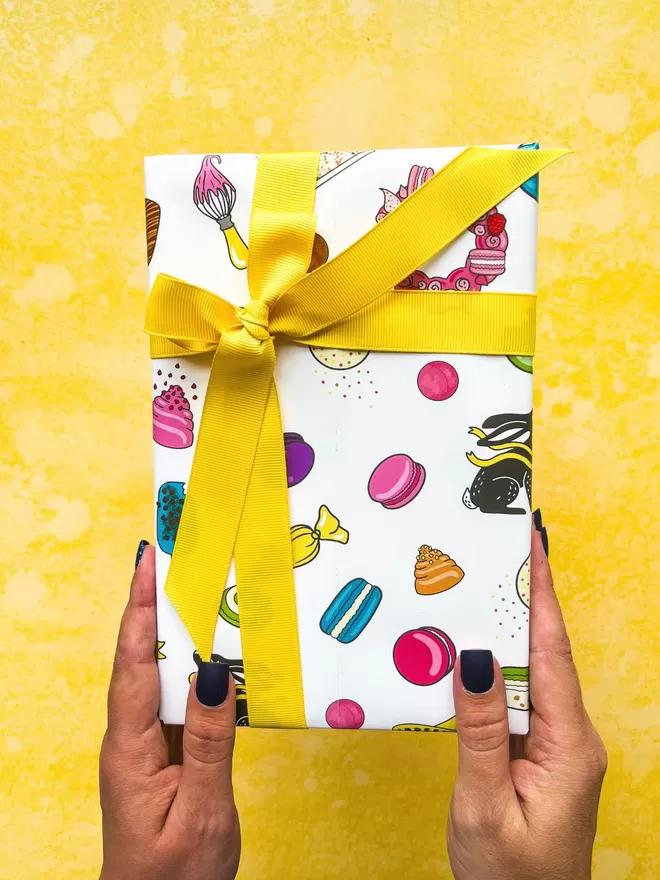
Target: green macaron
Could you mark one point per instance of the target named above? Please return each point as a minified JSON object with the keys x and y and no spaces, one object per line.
{"x":522,"y":361}
{"x":229,"y":606}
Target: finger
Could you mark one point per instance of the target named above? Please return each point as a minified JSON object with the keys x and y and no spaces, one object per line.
{"x":554,"y":687}
{"x":482,"y":725}
{"x":208,"y":739}
{"x":134,"y":691}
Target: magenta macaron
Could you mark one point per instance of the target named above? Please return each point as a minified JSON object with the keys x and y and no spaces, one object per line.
{"x":396,"y":481}
{"x":424,"y":656}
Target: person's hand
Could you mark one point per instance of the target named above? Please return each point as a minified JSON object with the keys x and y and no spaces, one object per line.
{"x":533,"y":816}
{"x":163,"y":820}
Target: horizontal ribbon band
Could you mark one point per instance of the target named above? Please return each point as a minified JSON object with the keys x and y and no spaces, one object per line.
{"x":399,"y":321}
{"x":448,"y":322}
{"x":236,"y":499}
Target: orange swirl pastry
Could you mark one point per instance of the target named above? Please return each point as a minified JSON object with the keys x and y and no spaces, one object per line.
{"x":435,"y":572}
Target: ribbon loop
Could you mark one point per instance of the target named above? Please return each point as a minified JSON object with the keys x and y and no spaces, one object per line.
{"x":283,"y":223}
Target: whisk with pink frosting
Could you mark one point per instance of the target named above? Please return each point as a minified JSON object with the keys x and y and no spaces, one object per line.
{"x":215,"y":196}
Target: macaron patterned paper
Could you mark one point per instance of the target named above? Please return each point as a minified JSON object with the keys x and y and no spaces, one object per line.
{"x":405,"y":549}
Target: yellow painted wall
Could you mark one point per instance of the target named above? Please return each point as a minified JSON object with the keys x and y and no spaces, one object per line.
{"x":88,"y":88}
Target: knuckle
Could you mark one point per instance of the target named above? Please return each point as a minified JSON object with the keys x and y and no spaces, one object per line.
{"x":131,"y":654}
{"x":106,"y":783}
{"x":125,"y":747}
{"x":106,"y":761}
{"x":464,"y":816}
{"x":113,"y":774}
{"x":599,"y":756}
{"x":562,"y":647}
{"x":205,"y":826}
{"x":105,"y":775}
{"x":207,"y":832}
{"x":594,"y":760}
{"x":123,"y":658}
{"x":223,"y":823}
{"x":559,"y":649}
{"x":207,"y":741}
{"x":125,"y":763}
{"x":484,"y":731}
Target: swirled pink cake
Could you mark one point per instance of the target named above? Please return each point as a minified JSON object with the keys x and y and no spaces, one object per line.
{"x":173,"y":421}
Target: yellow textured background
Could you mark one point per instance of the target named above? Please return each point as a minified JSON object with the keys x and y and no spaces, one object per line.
{"x":87,"y":89}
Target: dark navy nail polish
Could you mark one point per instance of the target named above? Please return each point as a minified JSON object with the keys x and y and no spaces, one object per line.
{"x":544,"y":541}
{"x":538,"y":519}
{"x":212,"y":683}
{"x":140,"y":551}
{"x":477,"y":671}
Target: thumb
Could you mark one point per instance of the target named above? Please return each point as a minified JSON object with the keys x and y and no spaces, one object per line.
{"x":208,"y":739}
{"x":482,"y":725}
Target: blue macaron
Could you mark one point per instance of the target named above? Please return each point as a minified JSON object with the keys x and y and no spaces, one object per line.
{"x":351,"y":610}
{"x":168,"y":514}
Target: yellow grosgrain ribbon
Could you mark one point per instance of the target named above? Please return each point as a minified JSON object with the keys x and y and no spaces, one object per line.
{"x":236,"y":499}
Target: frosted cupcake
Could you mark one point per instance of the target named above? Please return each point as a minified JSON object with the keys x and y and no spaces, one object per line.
{"x":173,"y":421}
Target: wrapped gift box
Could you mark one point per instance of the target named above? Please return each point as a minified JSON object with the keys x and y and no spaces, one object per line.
{"x":409,"y":474}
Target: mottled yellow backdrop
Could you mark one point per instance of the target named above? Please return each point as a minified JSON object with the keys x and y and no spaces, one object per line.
{"x":87,"y":89}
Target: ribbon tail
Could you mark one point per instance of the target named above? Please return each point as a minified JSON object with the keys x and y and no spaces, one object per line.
{"x":234,"y":408}
{"x":265,"y":592}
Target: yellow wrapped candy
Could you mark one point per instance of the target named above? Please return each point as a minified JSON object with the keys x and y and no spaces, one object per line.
{"x":306,"y":541}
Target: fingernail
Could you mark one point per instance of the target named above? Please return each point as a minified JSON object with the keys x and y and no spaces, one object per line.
{"x":477,"y":672}
{"x":140,"y":551}
{"x":212,"y":684}
{"x":538,"y":519}
{"x":544,"y":541}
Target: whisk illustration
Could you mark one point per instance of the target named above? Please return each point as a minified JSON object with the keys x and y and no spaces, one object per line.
{"x":215,"y":196}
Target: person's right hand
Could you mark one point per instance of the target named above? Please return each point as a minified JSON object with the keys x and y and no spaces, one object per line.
{"x":531,"y":817}
{"x":163,"y":821}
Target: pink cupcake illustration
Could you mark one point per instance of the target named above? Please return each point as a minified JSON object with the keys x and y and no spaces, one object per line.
{"x":173,"y":421}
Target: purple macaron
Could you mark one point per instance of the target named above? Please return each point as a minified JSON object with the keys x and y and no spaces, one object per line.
{"x":299,"y":459}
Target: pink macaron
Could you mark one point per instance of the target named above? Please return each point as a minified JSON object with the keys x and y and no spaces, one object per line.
{"x":424,"y":656}
{"x":396,"y":481}
{"x":417,"y":176}
{"x":487,"y":261}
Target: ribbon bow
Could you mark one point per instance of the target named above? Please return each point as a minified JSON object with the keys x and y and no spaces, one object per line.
{"x":236,"y":501}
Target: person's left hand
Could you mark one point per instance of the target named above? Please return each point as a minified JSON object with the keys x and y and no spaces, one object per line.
{"x":160,"y":819}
